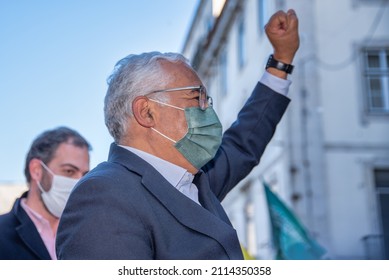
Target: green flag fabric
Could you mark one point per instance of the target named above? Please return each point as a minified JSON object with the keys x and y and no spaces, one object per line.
{"x":246,"y":254}
{"x":290,"y":239}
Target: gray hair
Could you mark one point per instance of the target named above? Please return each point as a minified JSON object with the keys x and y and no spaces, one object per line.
{"x":134,"y":75}
{"x":46,"y":144}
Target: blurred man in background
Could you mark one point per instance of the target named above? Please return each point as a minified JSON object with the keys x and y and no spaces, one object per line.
{"x":57,"y":159}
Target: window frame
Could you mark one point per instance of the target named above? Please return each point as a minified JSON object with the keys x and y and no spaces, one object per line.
{"x":380,"y":74}
{"x":262,"y":15}
{"x":223,"y":72}
{"x":241,"y":41}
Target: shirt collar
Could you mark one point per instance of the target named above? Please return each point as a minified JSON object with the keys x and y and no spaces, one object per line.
{"x":174,"y":174}
{"x":35,"y":216}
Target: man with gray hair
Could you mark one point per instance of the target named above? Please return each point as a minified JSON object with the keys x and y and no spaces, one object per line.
{"x":57,"y":159}
{"x":158,"y":195}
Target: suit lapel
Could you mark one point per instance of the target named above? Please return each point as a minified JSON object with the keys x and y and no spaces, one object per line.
{"x":205,"y":220}
{"x":28,"y":233}
{"x":207,"y":197}
{"x":209,"y":201}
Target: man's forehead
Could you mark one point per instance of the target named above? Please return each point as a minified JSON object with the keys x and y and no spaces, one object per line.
{"x":68,"y":149}
{"x":180,"y":74}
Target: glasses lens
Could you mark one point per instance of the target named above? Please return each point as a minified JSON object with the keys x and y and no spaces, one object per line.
{"x":203,"y":98}
{"x":209,"y":101}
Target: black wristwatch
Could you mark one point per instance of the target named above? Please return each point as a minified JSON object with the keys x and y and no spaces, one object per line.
{"x":273,"y":63}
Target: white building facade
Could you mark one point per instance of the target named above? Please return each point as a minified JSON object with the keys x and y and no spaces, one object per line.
{"x":8,"y":194}
{"x":329,"y":159}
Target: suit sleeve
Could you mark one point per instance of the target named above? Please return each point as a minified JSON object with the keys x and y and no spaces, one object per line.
{"x":245,"y":141}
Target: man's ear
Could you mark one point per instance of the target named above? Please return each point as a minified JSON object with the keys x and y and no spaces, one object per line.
{"x":35,"y":169}
{"x":142,"y":111}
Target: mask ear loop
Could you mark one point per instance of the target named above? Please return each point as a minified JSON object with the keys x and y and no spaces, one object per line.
{"x":168,"y":138}
{"x":169,"y":105}
{"x":47,"y":168}
{"x":40,"y":187}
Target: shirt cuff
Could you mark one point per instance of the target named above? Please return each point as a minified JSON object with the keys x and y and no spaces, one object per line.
{"x":277,"y":84}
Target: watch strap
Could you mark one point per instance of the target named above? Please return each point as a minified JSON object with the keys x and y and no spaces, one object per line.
{"x":273,"y":63}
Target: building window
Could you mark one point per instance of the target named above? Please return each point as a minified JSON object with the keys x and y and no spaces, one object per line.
{"x":241,"y":42}
{"x":223,"y":73}
{"x":376,"y":73}
{"x":209,"y":24}
{"x":262,"y":15}
{"x":381,"y":180}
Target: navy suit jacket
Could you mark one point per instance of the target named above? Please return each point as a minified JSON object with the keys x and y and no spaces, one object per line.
{"x":125,"y":209}
{"x":19,"y":238}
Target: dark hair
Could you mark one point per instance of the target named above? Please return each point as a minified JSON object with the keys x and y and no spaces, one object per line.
{"x":46,"y":144}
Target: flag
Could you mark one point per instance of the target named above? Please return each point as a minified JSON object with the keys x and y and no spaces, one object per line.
{"x":246,"y":254}
{"x":290,"y":239}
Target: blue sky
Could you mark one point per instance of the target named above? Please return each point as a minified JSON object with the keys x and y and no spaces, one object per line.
{"x":55,"y":57}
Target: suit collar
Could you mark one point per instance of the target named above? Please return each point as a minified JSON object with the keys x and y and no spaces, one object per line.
{"x":186,"y":211}
{"x":27,"y":231}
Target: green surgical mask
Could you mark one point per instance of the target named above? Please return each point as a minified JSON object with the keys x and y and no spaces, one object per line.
{"x":200,"y":144}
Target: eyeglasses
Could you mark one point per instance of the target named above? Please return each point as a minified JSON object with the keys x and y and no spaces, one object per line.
{"x":205,"y":101}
